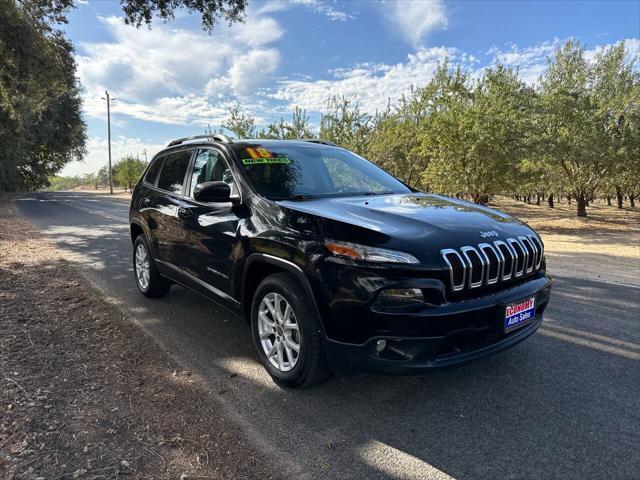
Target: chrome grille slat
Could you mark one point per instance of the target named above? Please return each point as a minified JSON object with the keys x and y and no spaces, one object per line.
{"x":465,"y":252}
{"x":530,"y":259}
{"x":489,"y":280}
{"x":515,"y":243}
{"x":513,"y":256}
{"x":540,"y":249}
{"x":523,"y":253}
{"x":450,"y":251}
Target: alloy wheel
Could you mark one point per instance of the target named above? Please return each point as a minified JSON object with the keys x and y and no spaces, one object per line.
{"x":279,"y":332}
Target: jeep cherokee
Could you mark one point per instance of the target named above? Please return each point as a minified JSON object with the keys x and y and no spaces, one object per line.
{"x":336,"y":265}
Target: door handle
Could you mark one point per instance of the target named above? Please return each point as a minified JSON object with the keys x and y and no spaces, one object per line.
{"x":146,"y":202}
{"x":184,"y":212}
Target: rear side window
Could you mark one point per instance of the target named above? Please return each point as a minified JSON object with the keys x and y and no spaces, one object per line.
{"x":152,"y":173}
{"x":173,"y":171}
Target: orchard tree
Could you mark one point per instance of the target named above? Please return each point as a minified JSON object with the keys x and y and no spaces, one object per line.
{"x":575,"y":144}
{"x":128,"y":171}
{"x":345,"y":125}
{"x":240,"y":124}
{"x":299,"y":127}
{"x":477,"y":136}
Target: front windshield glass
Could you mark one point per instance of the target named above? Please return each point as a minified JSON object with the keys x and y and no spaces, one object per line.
{"x":285,"y":172}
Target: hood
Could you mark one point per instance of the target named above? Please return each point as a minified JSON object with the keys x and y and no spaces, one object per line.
{"x":415,"y":217}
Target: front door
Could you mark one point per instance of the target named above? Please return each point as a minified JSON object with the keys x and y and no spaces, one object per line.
{"x":212,"y":228}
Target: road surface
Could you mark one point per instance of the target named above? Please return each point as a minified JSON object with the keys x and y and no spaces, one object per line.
{"x":563,"y":404}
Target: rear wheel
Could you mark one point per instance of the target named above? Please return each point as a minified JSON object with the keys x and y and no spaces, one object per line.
{"x":148,"y":280}
{"x":286,"y":331}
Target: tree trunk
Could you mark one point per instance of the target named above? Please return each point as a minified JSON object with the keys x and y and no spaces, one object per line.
{"x":619,"y":197}
{"x":550,"y":200}
{"x":581,"y":203}
{"x":569,"y":199}
{"x":632,"y":201}
{"x":608,"y":200}
{"x":538,"y":199}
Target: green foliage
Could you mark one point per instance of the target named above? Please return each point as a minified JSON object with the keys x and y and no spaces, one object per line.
{"x":128,"y":170}
{"x":58,"y":184}
{"x":345,"y":125}
{"x":138,"y":12}
{"x":41,"y":128}
{"x":241,"y":125}
{"x":299,"y":127}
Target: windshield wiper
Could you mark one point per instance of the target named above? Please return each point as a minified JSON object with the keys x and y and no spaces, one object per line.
{"x":376,"y":193}
{"x":298,"y":196}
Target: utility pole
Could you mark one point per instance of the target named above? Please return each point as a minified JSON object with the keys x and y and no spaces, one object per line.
{"x":109,"y":138}
{"x":145,"y":155}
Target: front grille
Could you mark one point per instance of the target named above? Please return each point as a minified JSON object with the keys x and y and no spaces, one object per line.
{"x":486,"y":264}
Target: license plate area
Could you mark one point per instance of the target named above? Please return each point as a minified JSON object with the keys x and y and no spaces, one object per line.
{"x":519,"y":313}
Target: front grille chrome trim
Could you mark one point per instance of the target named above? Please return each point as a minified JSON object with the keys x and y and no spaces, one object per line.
{"x":515,"y":243}
{"x":524,"y":253}
{"x":450,"y":251}
{"x":538,"y":244}
{"x":465,"y":252}
{"x":486,"y":246}
{"x":512,"y":254}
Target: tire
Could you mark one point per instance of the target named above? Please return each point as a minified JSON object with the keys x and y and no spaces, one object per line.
{"x":309,"y":366}
{"x":152,"y":284}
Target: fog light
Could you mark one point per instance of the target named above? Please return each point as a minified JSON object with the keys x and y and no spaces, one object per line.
{"x":400,"y":297}
{"x":381,"y":345}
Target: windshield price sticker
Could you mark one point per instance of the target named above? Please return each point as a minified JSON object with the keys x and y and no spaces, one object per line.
{"x":260,"y":156}
{"x":262,"y":161}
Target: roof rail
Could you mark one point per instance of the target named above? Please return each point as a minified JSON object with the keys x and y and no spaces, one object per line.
{"x":217,"y":137}
{"x":319,"y":140}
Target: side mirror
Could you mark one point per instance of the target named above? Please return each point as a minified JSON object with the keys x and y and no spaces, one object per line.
{"x":214,"y":192}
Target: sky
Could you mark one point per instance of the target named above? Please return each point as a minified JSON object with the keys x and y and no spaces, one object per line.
{"x":173,"y":79}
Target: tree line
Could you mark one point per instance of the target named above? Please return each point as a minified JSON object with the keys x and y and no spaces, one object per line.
{"x":575,"y":134}
{"x":125,"y":174}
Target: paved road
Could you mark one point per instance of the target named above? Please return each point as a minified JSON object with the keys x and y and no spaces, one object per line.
{"x":563,"y":404}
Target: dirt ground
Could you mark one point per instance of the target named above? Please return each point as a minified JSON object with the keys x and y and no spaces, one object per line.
{"x":605,"y":245}
{"x":84,"y":394}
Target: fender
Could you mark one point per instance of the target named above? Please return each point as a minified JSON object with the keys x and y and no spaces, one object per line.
{"x":289,"y":267}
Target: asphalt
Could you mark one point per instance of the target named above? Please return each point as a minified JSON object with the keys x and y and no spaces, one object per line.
{"x":563,"y":404}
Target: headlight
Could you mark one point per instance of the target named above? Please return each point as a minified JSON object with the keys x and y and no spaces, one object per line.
{"x":369,"y":254}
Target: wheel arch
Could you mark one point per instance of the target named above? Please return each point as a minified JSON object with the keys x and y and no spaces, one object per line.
{"x":260,"y":265}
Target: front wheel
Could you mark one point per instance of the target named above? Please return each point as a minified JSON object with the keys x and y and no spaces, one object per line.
{"x":287,"y":333}
{"x":148,"y":280}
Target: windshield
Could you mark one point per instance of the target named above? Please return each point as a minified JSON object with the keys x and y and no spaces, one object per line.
{"x":286,"y":172}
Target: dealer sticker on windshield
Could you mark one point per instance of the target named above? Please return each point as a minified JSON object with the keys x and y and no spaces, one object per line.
{"x":519,"y":313}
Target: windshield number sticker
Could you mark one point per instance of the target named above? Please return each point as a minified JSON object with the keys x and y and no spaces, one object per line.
{"x":262,"y":156}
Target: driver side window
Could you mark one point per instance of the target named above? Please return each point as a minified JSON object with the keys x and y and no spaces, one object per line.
{"x":209,"y":166}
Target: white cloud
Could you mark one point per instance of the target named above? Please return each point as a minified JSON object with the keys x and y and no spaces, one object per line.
{"x":317,"y":6}
{"x":165,"y":74}
{"x":98,"y":154}
{"x":370,"y":84}
{"x":415,"y":18}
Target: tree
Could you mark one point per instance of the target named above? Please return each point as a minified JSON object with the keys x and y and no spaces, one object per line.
{"x":41,"y":128}
{"x":128,"y":171}
{"x":345,"y":125}
{"x":102,"y":177}
{"x":299,"y":127}
{"x":574,"y":142}
{"x":241,"y":125}
{"x":137,"y":12}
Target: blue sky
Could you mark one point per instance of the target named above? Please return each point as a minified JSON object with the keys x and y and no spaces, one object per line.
{"x":174,"y":79}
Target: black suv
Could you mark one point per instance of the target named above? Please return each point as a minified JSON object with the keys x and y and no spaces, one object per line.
{"x":335,"y":264}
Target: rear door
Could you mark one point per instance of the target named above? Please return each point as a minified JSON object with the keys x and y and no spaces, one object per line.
{"x":211,"y":228}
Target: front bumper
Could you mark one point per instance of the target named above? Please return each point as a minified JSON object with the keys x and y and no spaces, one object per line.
{"x":415,"y":354}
